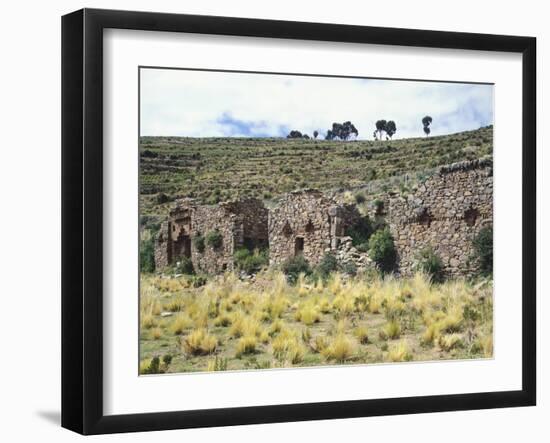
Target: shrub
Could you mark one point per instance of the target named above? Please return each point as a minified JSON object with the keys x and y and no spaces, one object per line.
{"x":382,"y":250}
{"x":154,"y":365}
{"x":162,"y":198}
{"x":152,"y":368}
{"x":360,"y":198}
{"x":294,"y":266}
{"x":251,"y":262}
{"x":362,"y":334}
{"x":430,"y":263}
{"x":198,"y":241}
{"x":198,"y":280}
{"x":218,"y":364}
{"x":378,"y":206}
{"x":349,"y":268}
{"x":214,"y":239}
{"x":360,"y":232}
{"x":327,"y":265}
{"x":185,"y":266}
{"x":147,"y":255}
{"x":483,"y":250}
{"x":167,"y":359}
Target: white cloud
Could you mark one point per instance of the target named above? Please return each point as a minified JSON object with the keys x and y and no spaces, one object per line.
{"x":206,"y":104}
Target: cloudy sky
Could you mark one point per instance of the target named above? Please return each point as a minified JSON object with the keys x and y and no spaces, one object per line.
{"x":221,"y":104}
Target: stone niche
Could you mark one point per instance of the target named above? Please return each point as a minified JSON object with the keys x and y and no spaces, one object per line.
{"x":445,"y":213}
{"x":307,"y":223}
{"x":240,"y":224}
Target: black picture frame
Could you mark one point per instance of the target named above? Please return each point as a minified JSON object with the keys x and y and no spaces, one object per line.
{"x":82,"y":215}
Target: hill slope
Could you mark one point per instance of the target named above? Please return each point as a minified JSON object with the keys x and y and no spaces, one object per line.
{"x":217,"y":169}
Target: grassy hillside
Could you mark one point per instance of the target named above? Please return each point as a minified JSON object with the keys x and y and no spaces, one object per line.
{"x":217,"y":169}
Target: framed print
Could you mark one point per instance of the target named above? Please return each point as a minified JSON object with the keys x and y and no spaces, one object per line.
{"x":269,"y":221}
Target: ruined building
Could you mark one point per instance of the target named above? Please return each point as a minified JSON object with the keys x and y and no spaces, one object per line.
{"x":445,"y":213}
{"x":308,"y":223}
{"x":186,"y":232}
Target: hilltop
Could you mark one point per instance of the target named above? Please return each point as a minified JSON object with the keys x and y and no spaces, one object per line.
{"x":219,"y":169}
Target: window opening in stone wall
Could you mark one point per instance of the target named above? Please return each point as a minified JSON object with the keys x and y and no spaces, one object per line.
{"x":470,"y":216}
{"x":299,"y":246}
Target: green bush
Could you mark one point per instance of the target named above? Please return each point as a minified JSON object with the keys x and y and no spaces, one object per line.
{"x":349,"y":268}
{"x":327,"y":265}
{"x":360,"y":198}
{"x":483,"y":250}
{"x":198,"y":280}
{"x":360,"y":233}
{"x":214,"y":239}
{"x":251,"y":261}
{"x":147,"y":255}
{"x":162,"y":198}
{"x":198,"y":241}
{"x":294,"y":266}
{"x":378,"y":206}
{"x":430,"y":263}
{"x":154,"y":366}
{"x":184,"y":265}
{"x":382,"y":250}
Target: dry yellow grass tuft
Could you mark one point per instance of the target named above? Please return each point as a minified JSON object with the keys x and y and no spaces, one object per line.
{"x":246,"y":345}
{"x":391,"y":330}
{"x":147,"y":321}
{"x":308,"y":314}
{"x":362,"y":334}
{"x":287,"y":347}
{"x":180,"y":323}
{"x":399,"y":352}
{"x":341,"y":348}
{"x":199,"y":342}
{"x":450,"y":341}
{"x":156,"y":333}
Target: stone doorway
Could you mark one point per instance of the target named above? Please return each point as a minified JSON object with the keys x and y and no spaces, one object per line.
{"x":183,"y":247}
{"x":299,"y":246}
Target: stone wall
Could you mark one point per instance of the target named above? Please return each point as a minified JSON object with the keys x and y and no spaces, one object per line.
{"x":444,"y":213}
{"x":239,"y":223}
{"x":309,"y":223}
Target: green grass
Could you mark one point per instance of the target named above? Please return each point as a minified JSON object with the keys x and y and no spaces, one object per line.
{"x":218,"y":169}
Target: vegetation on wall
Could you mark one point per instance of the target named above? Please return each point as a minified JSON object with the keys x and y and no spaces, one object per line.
{"x":483,"y":250}
{"x":431,"y":264}
{"x":214,"y":239}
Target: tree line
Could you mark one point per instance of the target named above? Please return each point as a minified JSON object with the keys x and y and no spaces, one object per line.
{"x":347,"y":130}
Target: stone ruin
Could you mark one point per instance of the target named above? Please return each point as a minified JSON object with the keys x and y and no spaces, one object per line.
{"x":444,"y":213}
{"x":311,"y":224}
{"x":241,"y":223}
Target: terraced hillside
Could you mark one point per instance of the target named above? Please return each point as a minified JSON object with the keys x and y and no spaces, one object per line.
{"x":217,"y":169}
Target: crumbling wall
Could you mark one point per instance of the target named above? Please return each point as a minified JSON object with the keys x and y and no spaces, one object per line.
{"x":445,"y":213}
{"x":309,"y":223}
{"x":235,"y":222}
